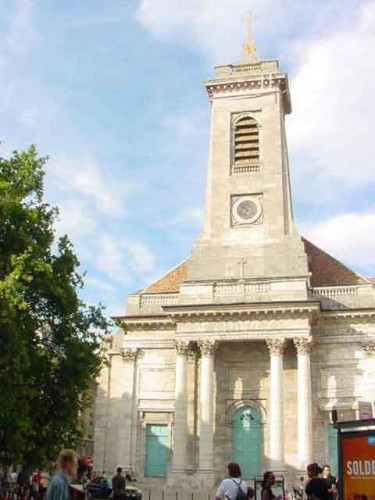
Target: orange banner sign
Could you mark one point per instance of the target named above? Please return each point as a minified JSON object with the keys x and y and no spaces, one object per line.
{"x":358,"y":466}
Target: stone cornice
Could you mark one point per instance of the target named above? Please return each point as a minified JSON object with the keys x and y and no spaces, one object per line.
{"x":221,"y":312}
{"x":149,"y":322}
{"x":348,"y":313}
{"x":278,"y":279}
{"x":240,"y":336}
{"x":216,"y":311}
{"x":339,"y":339}
{"x":149,"y":343}
{"x":239,"y":83}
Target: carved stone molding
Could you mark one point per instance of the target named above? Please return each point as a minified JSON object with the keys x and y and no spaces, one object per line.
{"x":207,"y":347}
{"x":182,"y":347}
{"x":303,"y":345}
{"x":276,"y":346}
{"x":369,"y":348}
{"x":257,"y":82}
{"x":129,"y":354}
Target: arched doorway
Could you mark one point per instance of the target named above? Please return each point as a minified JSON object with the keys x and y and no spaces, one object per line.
{"x":246,"y":441}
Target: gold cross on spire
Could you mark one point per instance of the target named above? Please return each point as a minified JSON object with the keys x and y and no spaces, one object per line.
{"x":248,"y":48}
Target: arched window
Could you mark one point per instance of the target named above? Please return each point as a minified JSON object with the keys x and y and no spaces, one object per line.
{"x":246,"y":144}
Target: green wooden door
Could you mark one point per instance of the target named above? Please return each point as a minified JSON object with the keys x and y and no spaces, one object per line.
{"x":332,"y":449}
{"x":246,"y":441}
{"x":156,"y":450}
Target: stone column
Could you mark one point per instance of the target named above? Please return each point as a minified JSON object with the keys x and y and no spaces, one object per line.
{"x":304,"y":401}
{"x":206,"y":437}
{"x":180,"y":408}
{"x":126,"y":430}
{"x":276,"y":348}
{"x":101,"y":407}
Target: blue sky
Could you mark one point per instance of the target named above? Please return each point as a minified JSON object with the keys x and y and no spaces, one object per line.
{"x":113,"y":92}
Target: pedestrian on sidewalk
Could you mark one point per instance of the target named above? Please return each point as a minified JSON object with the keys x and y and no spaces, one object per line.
{"x":118,"y":485}
{"x":316,"y":488}
{"x":233,"y":488}
{"x":267,"y":483}
{"x":58,"y":488}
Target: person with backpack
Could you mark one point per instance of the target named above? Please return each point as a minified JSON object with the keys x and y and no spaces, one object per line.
{"x":267,"y":483}
{"x":233,"y":488}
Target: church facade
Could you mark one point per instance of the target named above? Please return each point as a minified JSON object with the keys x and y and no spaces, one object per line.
{"x":240,"y":352}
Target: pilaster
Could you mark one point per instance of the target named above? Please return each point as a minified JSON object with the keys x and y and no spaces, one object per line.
{"x":180,"y":415}
{"x":125,"y":451}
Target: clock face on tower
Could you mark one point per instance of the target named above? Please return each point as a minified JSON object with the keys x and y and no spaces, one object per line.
{"x":246,"y":210}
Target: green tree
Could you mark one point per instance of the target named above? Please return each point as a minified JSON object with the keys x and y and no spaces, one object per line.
{"x":49,"y":339}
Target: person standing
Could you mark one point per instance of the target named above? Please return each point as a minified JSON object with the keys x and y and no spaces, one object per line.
{"x":67,"y":463}
{"x":330,"y":481}
{"x":233,"y":487}
{"x":267,"y":483}
{"x":23,"y":481}
{"x":118,"y":484}
{"x":316,"y":488}
{"x":35,"y":484}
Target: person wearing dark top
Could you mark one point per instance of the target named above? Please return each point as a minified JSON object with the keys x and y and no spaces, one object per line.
{"x":267,"y":483}
{"x":23,"y":481}
{"x":118,"y":485}
{"x":316,"y":488}
{"x":331,"y":482}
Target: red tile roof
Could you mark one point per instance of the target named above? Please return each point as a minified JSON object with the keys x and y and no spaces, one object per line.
{"x":325,"y":269}
{"x":170,"y":281}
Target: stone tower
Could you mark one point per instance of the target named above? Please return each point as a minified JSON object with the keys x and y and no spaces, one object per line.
{"x":248,"y":227}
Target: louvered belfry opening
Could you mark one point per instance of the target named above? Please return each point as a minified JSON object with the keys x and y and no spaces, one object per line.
{"x":246,"y":141}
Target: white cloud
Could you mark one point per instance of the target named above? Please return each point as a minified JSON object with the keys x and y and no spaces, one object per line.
{"x":123,"y":260}
{"x":21,"y":34}
{"x":188,"y":217}
{"x":203,"y":26}
{"x":76,"y":219}
{"x":142,"y":258}
{"x":80,"y":175}
{"x":349,"y":237}
{"x":330,"y":131}
{"x":100,"y":284}
{"x":216,"y":27}
{"x":187,"y":127}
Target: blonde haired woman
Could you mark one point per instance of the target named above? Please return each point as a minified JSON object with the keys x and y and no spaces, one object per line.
{"x":58,"y":488}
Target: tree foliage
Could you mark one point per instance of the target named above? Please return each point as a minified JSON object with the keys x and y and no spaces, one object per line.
{"x":49,"y":340}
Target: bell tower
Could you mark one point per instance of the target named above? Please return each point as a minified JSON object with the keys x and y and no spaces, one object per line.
{"x":248,"y":209}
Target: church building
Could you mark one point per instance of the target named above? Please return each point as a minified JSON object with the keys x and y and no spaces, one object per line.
{"x":241,"y":351}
